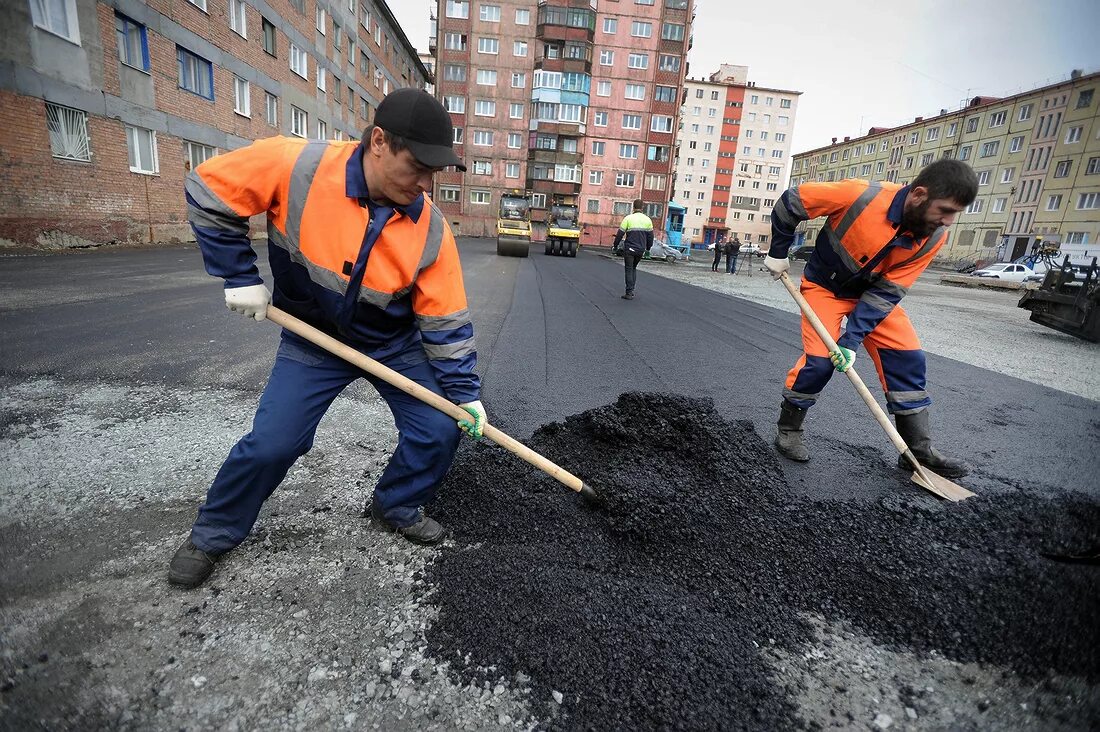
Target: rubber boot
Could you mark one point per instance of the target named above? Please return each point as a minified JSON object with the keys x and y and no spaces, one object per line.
{"x":917,"y":433}
{"x":789,"y":439}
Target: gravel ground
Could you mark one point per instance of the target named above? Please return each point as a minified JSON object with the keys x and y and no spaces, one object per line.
{"x":980,"y":327}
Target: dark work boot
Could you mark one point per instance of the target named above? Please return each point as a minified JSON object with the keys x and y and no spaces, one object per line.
{"x":789,"y":439}
{"x":917,"y":433}
{"x":628,"y":296}
{"x":426,"y":531}
{"x":190,"y":566}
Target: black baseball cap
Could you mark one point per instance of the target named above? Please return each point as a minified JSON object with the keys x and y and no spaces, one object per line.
{"x":425,"y":125}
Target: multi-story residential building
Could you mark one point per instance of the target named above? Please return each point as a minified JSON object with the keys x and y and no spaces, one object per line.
{"x":1036,"y":154}
{"x":106,"y":104}
{"x":561,"y":99}
{"x":734,"y":147}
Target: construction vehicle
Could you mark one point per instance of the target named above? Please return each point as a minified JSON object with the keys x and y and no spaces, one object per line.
{"x":514,"y":225}
{"x":563,"y":229}
{"x":1068,"y":300}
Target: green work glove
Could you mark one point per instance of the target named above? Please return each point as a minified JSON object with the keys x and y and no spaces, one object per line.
{"x":476,"y":427}
{"x":842,"y":358}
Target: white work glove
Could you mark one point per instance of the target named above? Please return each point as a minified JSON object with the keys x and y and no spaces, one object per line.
{"x":251,"y":300}
{"x":474,"y":428}
{"x":777,"y":266}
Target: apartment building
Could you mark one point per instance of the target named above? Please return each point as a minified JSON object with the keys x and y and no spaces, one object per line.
{"x":734,"y":149}
{"x":561,"y":100}
{"x":1036,"y":154}
{"x":106,"y":104}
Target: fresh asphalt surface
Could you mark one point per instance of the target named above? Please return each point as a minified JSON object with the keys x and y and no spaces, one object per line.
{"x":554,"y":339}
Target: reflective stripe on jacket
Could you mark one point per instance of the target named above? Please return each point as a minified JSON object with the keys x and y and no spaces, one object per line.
{"x":636,"y":231}
{"x":860,"y":253}
{"x":411,"y":290}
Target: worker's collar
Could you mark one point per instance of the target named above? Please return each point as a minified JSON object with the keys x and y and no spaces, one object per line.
{"x":894,"y":215}
{"x":356,"y":187}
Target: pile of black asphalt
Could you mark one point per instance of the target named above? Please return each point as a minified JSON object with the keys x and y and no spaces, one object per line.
{"x":652,"y":610}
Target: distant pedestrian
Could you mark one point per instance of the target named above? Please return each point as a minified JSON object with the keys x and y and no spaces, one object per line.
{"x":719,"y":248}
{"x":733,"y":247}
{"x":636,"y":235}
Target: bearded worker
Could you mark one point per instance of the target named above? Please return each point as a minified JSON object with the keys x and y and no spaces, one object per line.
{"x":878,"y":239}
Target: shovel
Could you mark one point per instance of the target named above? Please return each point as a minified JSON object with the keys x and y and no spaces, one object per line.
{"x":349,"y":354}
{"x":922,"y":476}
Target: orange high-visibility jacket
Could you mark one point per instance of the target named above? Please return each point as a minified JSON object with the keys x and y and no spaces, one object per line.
{"x":320,"y":239}
{"x":860,"y":253}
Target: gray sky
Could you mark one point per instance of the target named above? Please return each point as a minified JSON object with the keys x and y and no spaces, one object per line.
{"x":862,"y":63}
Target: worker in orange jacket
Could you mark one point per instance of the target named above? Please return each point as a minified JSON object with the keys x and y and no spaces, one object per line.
{"x":359,"y":251}
{"x":878,"y":238}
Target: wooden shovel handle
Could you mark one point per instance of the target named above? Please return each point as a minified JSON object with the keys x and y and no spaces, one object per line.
{"x":429,"y":397}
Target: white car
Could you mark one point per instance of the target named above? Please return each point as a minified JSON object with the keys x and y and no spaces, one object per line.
{"x":753,"y":249}
{"x":1004,"y":271}
{"x":665,"y":252}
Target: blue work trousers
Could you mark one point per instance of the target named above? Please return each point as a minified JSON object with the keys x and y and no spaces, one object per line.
{"x":303,"y":383}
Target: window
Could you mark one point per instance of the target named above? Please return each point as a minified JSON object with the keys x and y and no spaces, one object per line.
{"x":632,"y":121}
{"x":668,"y":62}
{"x":195,"y":154}
{"x":455,"y":104}
{"x":269,"y":36}
{"x":519,"y":79}
{"x":1062,"y":169}
{"x":654,"y":182}
{"x":519,"y":48}
{"x":983,"y":178}
{"x":964,"y":153}
{"x":637,"y":91}
{"x":454,"y":41}
{"x":1084,"y":98}
{"x":595,"y":177}
{"x":337,"y":37}
{"x":641,"y":29}
{"x":972,"y":124}
{"x":142,"y":147}
{"x":322,"y":78}
{"x":515,"y":140}
{"x":1077,"y":237}
{"x":638,"y":61}
{"x":1088,"y":201}
{"x":607,"y":58}
{"x":133,"y":45}
{"x":458,"y":8}
{"x":976,"y":206}
{"x":932,"y":134}
{"x":672,"y":32}
{"x":488,"y":45}
{"x":523,"y":17}
{"x":321,"y":20}
{"x":515,"y":110}
{"x":456,"y":137}
{"x":997,"y":119}
{"x":593,"y":205}
{"x":599,"y":119}
{"x":624,"y":179}
{"x":598,"y":147}
{"x":603,"y":88}
{"x":480,"y":197}
{"x":271,"y":109}
{"x":68,"y":130}
{"x":299,"y":61}
{"x":454,"y":72}
{"x":1093,"y":166}
{"x":485,"y":108}
{"x":659,"y":153}
{"x":483,"y":137}
{"x":571,"y":113}
{"x":665,"y":94}
{"x":486,"y":77}
{"x":1054,"y":202}
{"x":511,"y":170}
{"x":490,"y":13}
{"x":1073,"y":134}
{"x":1025,"y":112}
{"x":610,"y":25}
{"x":1016,"y":144}
{"x":242,"y":102}
{"x":660,"y":123}
{"x":299,"y":121}
{"x":1007,"y":174}
{"x":449,"y":194}
{"x":59,"y":17}
{"x":628,"y":151}
{"x":775,"y":153}
{"x":914,"y":138}
{"x":322,"y":130}
{"x":927,"y":158}
{"x":196,"y":75}
{"x":483,"y":167}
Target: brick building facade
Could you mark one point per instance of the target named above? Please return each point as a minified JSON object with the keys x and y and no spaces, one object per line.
{"x":106,"y":105}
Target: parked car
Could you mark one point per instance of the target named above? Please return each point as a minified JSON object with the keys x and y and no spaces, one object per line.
{"x":803,"y":252}
{"x":753,"y":249}
{"x":1004,"y":271}
{"x":665,"y":252}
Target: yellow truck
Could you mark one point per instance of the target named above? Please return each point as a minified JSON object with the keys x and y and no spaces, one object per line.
{"x":514,"y":225}
{"x":563,"y":230}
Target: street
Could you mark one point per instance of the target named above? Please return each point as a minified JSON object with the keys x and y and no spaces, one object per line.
{"x":125,"y":381}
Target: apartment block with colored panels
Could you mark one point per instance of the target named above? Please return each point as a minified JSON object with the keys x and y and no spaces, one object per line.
{"x":734,"y":147}
{"x":108,"y":104}
{"x":582,"y":110}
{"x":1036,"y":155}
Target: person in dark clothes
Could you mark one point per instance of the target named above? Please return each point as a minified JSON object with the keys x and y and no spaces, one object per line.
{"x":719,"y":247}
{"x":636,"y":235}
{"x":733,"y":247}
